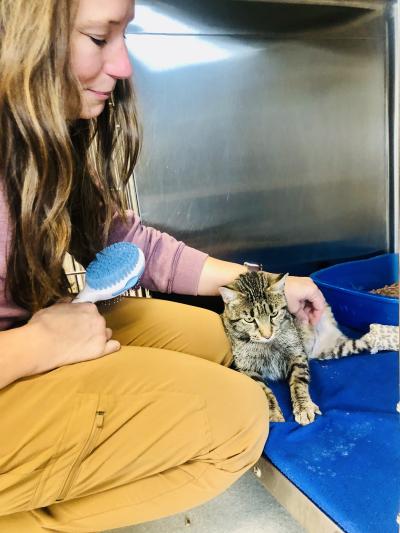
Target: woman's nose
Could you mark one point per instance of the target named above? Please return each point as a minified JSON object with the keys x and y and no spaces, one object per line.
{"x":118,"y":64}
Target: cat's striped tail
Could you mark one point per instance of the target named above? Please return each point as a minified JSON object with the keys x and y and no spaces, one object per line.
{"x":379,"y":338}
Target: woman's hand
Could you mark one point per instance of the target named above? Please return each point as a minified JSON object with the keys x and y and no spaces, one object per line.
{"x":66,"y":333}
{"x":304,"y":299}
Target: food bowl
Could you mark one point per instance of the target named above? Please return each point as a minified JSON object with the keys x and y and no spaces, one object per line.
{"x":346,"y":288}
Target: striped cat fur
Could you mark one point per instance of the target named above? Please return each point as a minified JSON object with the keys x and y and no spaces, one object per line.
{"x":270,"y":343}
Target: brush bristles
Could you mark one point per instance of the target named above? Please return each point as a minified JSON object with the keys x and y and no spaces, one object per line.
{"x":112,"y":265}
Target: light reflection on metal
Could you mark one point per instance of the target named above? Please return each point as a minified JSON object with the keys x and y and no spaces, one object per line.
{"x":149,"y":20}
{"x":168,"y":44}
{"x":163,"y":52}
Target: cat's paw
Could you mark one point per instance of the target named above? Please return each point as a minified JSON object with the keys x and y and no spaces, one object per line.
{"x":305,"y":414}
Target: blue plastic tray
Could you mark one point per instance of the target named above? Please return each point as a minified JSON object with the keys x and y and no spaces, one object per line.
{"x":346,"y":285}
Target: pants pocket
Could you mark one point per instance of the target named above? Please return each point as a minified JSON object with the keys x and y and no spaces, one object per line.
{"x":83,"y":423}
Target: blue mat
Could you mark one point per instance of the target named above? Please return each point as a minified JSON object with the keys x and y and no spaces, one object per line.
{"x":348,"y":461}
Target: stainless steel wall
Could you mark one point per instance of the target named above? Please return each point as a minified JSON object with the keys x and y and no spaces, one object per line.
{"x":265,"y":129}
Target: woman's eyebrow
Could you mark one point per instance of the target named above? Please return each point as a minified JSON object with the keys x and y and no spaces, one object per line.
{"x":104,"y":23}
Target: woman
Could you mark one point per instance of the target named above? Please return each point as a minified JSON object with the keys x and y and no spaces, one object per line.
{"x":117,"y":419}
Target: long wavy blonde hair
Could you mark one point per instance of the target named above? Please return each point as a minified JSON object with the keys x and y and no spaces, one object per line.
{"x":64,"y":180}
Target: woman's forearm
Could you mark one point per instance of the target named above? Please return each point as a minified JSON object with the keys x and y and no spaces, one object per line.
{"x":16,"y":354}
{"x":217,"y":273}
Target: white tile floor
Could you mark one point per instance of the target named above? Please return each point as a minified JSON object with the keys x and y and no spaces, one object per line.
{"x":246,"y":507}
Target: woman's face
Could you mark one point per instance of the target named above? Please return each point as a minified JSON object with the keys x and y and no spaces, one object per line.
{"x":99,"y":56}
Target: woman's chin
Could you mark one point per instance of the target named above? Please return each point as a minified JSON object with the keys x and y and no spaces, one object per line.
{"x":92,"y":110}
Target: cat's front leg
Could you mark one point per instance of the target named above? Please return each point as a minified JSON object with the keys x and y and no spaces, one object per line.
{"x":304,"y":409}
{"x":275,"y":413}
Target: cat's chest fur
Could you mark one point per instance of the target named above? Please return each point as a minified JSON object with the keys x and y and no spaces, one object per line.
{"x":260,"y":360}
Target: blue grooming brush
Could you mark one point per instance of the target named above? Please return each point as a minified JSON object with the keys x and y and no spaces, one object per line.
{"x":115,"y":270}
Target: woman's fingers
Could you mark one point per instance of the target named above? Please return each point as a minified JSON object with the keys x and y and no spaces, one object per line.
{"x":111,"y":347}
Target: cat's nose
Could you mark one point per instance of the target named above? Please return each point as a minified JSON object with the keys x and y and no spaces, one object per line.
{"x":265,"y":331}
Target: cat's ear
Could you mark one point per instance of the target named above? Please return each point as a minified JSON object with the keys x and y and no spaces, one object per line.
{"x":228,"y":295}
{"x":277,"y":283}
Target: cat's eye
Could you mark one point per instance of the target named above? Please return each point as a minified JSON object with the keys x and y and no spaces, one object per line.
{"x":248,"y":319}
{"x":274,"y":314}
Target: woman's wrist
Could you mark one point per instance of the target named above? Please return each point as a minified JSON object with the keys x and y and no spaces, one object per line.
{"x":18,"y":354}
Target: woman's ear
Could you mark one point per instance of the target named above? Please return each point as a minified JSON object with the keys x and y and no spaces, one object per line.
{"x":228,"y":295}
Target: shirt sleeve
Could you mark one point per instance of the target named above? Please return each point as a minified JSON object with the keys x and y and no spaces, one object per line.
{"x":171,"y":265}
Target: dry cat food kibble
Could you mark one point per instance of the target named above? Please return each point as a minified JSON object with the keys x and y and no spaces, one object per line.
{"x":388,"y":290}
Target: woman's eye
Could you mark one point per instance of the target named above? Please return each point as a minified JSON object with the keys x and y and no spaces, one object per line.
{"x":98,"y":42}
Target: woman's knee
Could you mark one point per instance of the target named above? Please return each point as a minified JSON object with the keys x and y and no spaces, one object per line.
{"x":235,"y":406}
{"x":239,"y":422}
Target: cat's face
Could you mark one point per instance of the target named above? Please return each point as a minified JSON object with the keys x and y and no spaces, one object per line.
{"x":255,"y":305}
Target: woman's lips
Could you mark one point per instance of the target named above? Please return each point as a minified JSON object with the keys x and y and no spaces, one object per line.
{"x":99,"y":94}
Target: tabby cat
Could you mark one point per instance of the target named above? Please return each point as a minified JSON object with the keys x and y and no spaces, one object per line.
{"x":270,"y":343}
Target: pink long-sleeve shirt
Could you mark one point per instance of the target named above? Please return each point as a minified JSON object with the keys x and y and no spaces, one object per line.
{"x":171,"y":266}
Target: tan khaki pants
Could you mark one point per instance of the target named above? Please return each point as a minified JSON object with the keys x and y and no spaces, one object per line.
{"x":157,"y":428}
